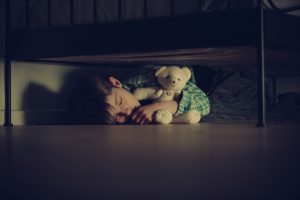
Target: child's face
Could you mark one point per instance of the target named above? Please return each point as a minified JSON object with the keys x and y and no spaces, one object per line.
{"x":122,"y":103}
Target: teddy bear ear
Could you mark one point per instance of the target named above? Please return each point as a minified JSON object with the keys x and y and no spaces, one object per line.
{"x":187,"y":72}
{"x":161,"y":69}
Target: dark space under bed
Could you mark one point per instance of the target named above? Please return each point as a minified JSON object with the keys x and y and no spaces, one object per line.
{"x":233,"y":97}
{"x":236,"y":39}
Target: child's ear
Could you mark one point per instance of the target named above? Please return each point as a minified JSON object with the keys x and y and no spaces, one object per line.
{"x":114,"y":82}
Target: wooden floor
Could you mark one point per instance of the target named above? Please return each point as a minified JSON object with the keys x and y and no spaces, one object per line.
{"x":203,"y":161}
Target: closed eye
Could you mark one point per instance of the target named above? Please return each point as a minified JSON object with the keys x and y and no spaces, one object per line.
{"x":120,"y":101}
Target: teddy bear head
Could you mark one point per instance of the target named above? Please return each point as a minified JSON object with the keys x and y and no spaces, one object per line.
{"x":173,"y":77}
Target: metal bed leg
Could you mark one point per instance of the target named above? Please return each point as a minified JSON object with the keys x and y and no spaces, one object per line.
{"x":7,"y":68}
{"x":261,"y":69}
{"x":7,"y":79}
{"x":274,"y":90}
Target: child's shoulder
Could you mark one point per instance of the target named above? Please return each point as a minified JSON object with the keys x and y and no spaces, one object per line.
{"x":141,"y":76}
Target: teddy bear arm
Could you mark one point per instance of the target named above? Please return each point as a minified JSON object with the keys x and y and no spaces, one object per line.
{"x":147,"y":93}
{"x":163,"y":116}
{"x":167,"y":95}
{"x":190,"y":117}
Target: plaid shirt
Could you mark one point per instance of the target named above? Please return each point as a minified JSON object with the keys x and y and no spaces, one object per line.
{"x":191,"y":97}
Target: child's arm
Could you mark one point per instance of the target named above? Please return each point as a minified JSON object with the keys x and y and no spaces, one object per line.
{"x":144,"y":114}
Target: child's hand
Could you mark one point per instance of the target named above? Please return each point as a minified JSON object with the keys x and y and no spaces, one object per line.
{"x":144,"y":114}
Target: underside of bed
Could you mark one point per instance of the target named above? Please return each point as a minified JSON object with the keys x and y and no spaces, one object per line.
{"x":227,"y":38}
{"x":278,"y":62}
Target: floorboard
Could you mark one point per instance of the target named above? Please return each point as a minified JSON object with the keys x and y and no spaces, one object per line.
{"x":203,"y":161}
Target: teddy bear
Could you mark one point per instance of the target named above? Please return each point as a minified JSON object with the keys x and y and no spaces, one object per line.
{"x":172,"y":79}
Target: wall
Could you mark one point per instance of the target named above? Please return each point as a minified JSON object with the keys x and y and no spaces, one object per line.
{"x":37,"y":93}
{"x":40,"y":91}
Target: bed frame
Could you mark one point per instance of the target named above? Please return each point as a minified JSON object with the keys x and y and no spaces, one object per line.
{"x":228,"y":38}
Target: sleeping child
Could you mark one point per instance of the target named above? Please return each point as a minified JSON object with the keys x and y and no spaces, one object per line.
{"x":100,"y":101}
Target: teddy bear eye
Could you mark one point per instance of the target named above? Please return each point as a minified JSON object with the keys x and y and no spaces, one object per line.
{"x":168,"y":77}
{"x":179,"y":79}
